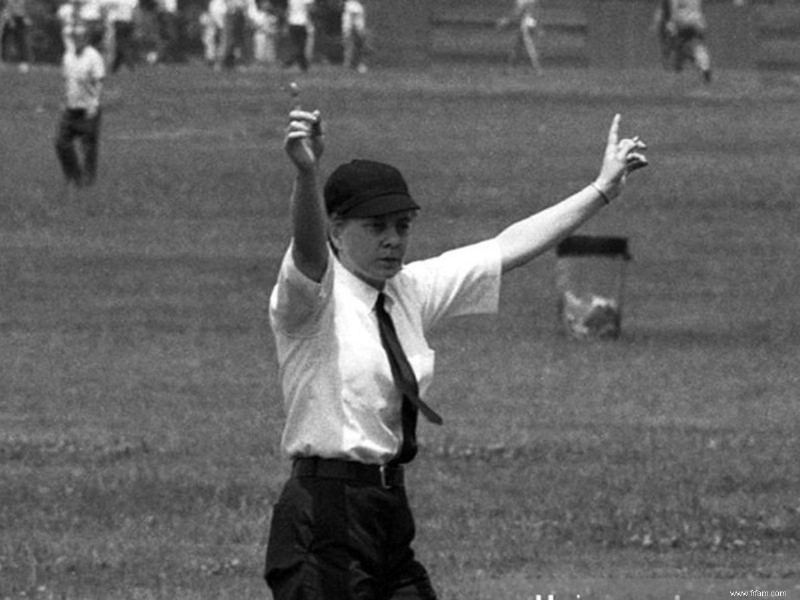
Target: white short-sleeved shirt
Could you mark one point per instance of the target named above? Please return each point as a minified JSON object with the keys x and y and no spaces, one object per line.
{"x":122,"y":11}
{"x":339,"y":395}
{"x":354,"y":17}
{"x":688,"y":13}
{"x":82,"y":73}
{"x":297,"y":12}
{"x":217,"y":10}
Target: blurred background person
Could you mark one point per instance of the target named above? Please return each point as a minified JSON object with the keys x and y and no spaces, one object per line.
{"x":354,"y":35}
{"x":15,"y":26}
{"x":233,"y":33}
{"x":687,"y":25}
{"x":298,"y":22}
{"x":121,"y":38}
{"x":148,"y":36}
{"x":325,"y":32}
{"x":212,"y":22}
{"x":170,"y":31}
{"x":265,"y":22}
{"x":666,"y":40}
{"x":525,"y":17}
{"x":83,"y":69}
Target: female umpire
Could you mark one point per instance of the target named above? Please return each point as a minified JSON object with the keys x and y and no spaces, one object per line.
{"x":350,"y":321}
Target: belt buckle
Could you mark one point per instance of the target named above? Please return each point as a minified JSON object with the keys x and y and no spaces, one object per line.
{"x":382,"y":471}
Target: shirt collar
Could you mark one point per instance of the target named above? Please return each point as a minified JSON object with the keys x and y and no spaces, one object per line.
{"x":359,"y":289}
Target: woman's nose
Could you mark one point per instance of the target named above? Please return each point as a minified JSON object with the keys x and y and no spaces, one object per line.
{"x":392,"y":237}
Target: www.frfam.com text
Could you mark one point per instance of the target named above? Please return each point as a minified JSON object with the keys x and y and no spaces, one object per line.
{"x":733,"y":594}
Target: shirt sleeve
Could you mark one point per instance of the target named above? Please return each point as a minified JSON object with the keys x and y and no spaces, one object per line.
{"x":296,"y":303}
{"x":459,"y":282}
{"x":99,"y":69}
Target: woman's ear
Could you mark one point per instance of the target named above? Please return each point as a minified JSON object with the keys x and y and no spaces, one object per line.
{"x":335,"y":226}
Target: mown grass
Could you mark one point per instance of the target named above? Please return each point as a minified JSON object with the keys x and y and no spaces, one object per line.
{"x":140,"y":410}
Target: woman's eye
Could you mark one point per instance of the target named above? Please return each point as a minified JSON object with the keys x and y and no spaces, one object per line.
{"x":376,"y":227}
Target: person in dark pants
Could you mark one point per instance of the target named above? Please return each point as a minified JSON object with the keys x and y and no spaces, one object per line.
{"x":233,"y":34}
{"x":122,"y":20}
{"x":83,"y":70}
{"x":351,"y":321}
{"x":15,"y":26}
{"x":298,"y":20}
{"x":688,"y":27}
{"x":666,"y":37}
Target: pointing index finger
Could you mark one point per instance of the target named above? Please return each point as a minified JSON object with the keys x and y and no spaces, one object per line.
{"x":613,"y":132}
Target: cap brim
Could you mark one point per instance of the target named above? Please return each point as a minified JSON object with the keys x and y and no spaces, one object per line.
{"x":381,"y":205}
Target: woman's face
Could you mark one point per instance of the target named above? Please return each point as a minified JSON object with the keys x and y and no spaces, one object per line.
{"x":373,"y":248}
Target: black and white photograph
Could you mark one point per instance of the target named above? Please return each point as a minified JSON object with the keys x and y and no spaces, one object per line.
{"x":399,"y":299}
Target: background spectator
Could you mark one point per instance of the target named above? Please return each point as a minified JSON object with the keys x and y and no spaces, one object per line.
{"x":121,"y":38}
{"x":83,"y":69}
{"x":233,"y":32}
{"x":169,"y":31}
{"x":666,"y":41}
{"x":525,"y":17}
{"x":265,"y":23}
{"x":15,"y":24}
{"x":298,"y":22}
{"x":212,"y":22}
{"x":687,"y":25}
{"x":326,"y":21}
{"x":354,"y":35}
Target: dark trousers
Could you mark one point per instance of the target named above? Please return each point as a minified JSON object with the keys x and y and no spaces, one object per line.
{"x":690,"y":46}
{"x":16,"y":34}
{"x":124,"y":46}
{"x":343,"y":540}
{"x":233,"y":42}
{"x":355,"y":46}
{"x":169,"y":31}
{"x":298,"y":36}
{"x":76,"y":126}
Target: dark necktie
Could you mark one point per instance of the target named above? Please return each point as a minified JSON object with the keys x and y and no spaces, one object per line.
{"x":406,"y":382}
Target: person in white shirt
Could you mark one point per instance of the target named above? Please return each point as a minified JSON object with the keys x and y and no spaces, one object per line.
{"x":298,"y":20}
{"x":264,"y":22}
{"x":169,"y":31}
{"x":352,"y":381}
{"x":15,"y":25}
{"x":233,"y":33}
{"x":354,"y":35}
{"x":120,"y":19}
{"x":212,"y":22}
{"x":83,"y":69}
{"x":525,"y":17}
{"x":687,"y":25}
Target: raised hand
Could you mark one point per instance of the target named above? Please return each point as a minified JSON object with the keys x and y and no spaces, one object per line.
{"x":620,"y":158}
{"x":304,"y":141}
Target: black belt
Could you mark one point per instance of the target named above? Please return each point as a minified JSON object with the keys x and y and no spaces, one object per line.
{"x":385,"y":476}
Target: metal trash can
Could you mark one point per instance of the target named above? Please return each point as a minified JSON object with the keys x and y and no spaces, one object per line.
{"x":590,"y":277}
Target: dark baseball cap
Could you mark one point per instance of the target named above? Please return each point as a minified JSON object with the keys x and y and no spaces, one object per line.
{"x":366,"y":188}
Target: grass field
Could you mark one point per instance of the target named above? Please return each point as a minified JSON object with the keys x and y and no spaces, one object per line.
{"x":140,"y":410}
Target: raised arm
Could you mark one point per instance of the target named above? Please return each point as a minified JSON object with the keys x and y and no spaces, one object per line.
{"x":530,"y":237}
{"x":304,"y":145}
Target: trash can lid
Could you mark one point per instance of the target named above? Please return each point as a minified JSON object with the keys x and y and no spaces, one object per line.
{"x":586,"y":245}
